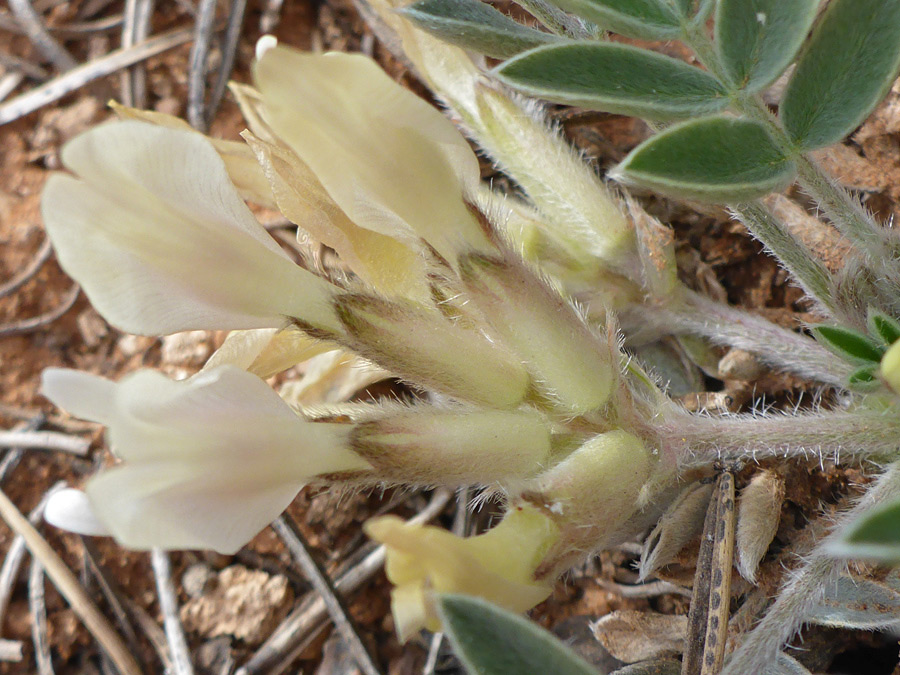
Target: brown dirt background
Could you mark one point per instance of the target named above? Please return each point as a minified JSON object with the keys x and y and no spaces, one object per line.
{"x":716,"y":254}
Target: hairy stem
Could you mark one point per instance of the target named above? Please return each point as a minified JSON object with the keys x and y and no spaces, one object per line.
{"x":812,"y":275}
{"x":698,"y":441}
{"x":805,"y":588}
{"x":773,"y":345}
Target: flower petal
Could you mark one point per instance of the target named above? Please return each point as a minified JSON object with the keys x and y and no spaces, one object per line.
{"x":498,"y":565}
{"x":71,"y":510}
{"x":220,"y":447}
{"x":393,"y":163}
{"x":161,"y":242}
{"x":219,"y":505}
{"x":267,"y":351}
{"x":386,"y":264}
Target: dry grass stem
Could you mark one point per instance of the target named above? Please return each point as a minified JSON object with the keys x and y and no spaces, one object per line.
{"x":168,"y":604}
{"x":76,"y":78}
{"x":70,"y":589}
{"x":45,"y":440}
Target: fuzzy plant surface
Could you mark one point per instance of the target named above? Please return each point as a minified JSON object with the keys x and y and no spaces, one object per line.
{"x":532,"y":321}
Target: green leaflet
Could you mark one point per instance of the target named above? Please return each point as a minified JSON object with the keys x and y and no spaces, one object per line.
{"x":845,"y":70}
{"x":849,"y":344}
{"x":757,"y":39}
{"x":475,"y":25}
{"x":859,"y":604}
{"x":493,"y":641}
{"x":883,"y":327}
{"x":875,"y":535}
{"x":650,"y":19}
{"x":716,"y":159}
{"x":615,"y":78}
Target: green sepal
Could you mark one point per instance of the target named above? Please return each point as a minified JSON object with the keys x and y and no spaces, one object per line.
{"x":716,"y":159}
{"x":758,"y":39}
{"x":848,"y":344}
{"x":475,"y":25}
{"x":615,"y":78}
{"x":883,"y":327}
{"x":648,"y":19}
{"x":846,"y":68}
{"x":494,"y":641}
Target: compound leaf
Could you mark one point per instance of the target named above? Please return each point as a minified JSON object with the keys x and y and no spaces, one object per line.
{"x":472,"y":24}
{"x":847,"y":67}
{"x":650,"y":19}
{"x":716,"y":159}
{"x":757,"y":39}
{"x":615,"y":78}
{"x":494,"y":641}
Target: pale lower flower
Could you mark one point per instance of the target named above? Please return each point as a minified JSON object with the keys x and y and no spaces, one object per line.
{"x":207,"y":462}
{"x":498,"y":565}
{"x":160,"y":240}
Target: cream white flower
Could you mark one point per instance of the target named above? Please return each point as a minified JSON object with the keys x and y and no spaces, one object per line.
{"x":390,"y":161}
{"x":160,"y":240}
{"x":207,"y":462}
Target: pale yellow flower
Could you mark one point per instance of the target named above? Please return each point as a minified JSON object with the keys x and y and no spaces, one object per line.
{"x":498,"y":565}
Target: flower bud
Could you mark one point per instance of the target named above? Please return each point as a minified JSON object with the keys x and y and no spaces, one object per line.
{"x":591,"y":493}
{"x":454,"y":448}
{"x":497,"y":566}
{"x":890,"y":367}
{"x":568,"y":362}
{"x":423,"y":345}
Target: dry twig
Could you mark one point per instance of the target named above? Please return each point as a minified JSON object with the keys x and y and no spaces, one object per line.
{"x":290,"y":534}
{"x":76,"y":78}
{"x":229,"y":52}
{"x":308,"y":617}
{"x":28,"y":325}
{"x":69,"y":588}
{"x":168,"y":603}
{"x":40,"y":37}
{"x":110,"y":591}
{"x":43,"y":255}
{"x":38,"y":607}
{"x":11,"y":650}
{"x":15,"y":555}
{"x":203,"y":32}
{"x":47,"y":440}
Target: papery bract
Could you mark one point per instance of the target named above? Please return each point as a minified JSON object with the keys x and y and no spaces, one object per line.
{"x":208,"y":462}
{"x":161,"y":242}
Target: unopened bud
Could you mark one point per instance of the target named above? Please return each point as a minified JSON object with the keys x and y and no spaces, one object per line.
{"x":593,"y":492}
{"x":890,"y":367}
{"x":423,"y":345}
{"x":454,"y":448}
{"x":568,"y":362}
